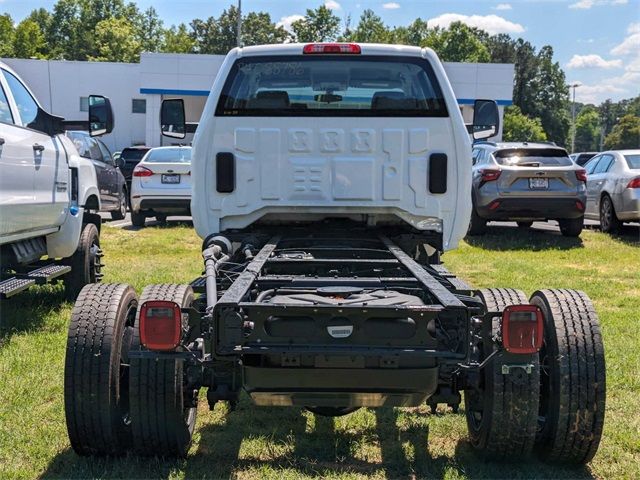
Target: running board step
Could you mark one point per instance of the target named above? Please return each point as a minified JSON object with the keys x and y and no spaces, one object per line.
{"x":45,"y":274}
{"x":13,"y":285}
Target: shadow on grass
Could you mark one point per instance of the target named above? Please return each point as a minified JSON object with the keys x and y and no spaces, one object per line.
{"x":274,"y":440}
{"x":28,"y":310}
{"x":161,"y":225}
{"x":504,"y":238}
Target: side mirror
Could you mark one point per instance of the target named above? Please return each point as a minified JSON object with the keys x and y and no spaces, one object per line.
{"x":120,"y":163}
{"x":172,"y":118}
{"x":486,"y":119}
{"x":100,"y":115}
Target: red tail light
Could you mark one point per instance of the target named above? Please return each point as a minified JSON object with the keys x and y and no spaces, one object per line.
{"x":635,"y":183}
{"x":160,"y":325}
{"x":142,"y":172}
{"x":522,"y":329}
{"x":581,"y":175}
{"x":489,"y":175}
{"x":344,"y":48}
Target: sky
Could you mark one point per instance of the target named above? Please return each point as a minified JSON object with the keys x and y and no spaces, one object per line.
{"x":597,"y":42}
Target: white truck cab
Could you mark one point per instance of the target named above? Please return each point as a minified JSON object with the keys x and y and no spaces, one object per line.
{"x":294,"y":133}
{"x":45,"y":187}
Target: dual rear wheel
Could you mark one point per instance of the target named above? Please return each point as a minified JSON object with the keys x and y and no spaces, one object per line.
{"x":554,"y":403}
{"x":114,"y":403}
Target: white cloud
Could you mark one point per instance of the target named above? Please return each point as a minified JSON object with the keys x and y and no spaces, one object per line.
{"x":332,"y":5}
{"x":587,"y":4}
{"x":288,"y":20}
{"x":503,"y":6}
{"x":629,"y":46}
{"x":583,"y":4}
{"x":391,"y":6}
{"x":597,"y":93}
{"x":492,"y":24}
{"x":592,"y":61}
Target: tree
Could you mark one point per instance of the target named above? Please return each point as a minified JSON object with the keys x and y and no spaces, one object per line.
{"x":116,"y":42}
{"x":458,"y":43}
{"x":216,"y":35}
{"x":258,"y":29}
{"x":7,"y":33}
{"x":319,"y":25}
{"x":28,"y":40}
{"x":626,"y":134}
{"x":587,"y":129}
{"x":370,"y":29}
{"x":178,"y":40}
{"x":150,"y":30}
{"x":520,"y":128}
{"x":550,"y":97}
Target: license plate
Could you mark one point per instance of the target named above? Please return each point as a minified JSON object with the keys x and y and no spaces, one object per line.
{"x":538,"y":183}
{"x":170,"y":178}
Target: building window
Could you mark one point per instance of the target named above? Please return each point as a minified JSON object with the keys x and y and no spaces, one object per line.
{"x":138,"y":105}
{"x":84,"y":104}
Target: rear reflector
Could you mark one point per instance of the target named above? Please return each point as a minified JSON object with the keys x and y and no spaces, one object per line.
{"x":635,"y":183}
{"x":343,"y":48}
{"x":580,"y":205}
{"x":522,"y":329}
{"x":160,"y":325}
{"x":142,"y":172}
{"x":581,"y":175}
{"x":494,"y":205}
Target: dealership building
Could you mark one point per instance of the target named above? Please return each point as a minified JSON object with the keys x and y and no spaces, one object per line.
{"x":136,"y":90}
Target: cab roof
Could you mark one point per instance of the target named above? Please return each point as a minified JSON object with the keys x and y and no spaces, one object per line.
{"x":296,"y":49}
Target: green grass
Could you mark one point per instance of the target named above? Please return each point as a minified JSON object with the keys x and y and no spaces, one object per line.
{"x":291,"y":443}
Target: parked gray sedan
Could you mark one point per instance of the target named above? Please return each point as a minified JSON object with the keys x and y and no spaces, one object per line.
{"x":526,"y":182}
{"x":613,"y":188}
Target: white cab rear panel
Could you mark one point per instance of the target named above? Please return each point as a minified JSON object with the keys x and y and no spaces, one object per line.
{"x":296,"y":169}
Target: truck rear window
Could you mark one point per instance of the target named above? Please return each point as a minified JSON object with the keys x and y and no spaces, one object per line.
{"x":320,"y":86}
{"x":538,"y":157}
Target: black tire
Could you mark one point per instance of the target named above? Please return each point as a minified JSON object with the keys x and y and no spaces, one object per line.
{"x":86,"y":263}
{"x":121,"y":212}
{"x":163,"y":415}
{"x":96,"y":373}
{"x":137,"y":219}
{"x":571,"y":227}
{"x":477,"y":224}
{"x":161,"y":217}
{"x":524,"y":225}
{"x":573,"y":383}
{"x":609,"y":222}
{"x":502,"y":412}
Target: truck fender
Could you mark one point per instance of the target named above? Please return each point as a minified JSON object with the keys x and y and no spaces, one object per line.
{"x":64,"y":242}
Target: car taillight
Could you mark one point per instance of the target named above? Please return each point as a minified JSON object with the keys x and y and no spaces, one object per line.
{"x":160,"y":325}
{"x":489,"y":175}
{"x":635,"y":183}
{"x":581,"y":175}
{"x":522,"y":329}
{"x":344,"y":48}
{"x":142,"y":172}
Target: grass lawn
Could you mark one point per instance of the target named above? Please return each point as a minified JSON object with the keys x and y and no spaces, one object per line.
{"x":292,"y":443}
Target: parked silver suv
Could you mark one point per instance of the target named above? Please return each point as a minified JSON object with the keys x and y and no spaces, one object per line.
{"x":526,"y":182}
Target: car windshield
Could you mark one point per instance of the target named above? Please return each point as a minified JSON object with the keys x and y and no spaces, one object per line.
{"x":169,"y":155}
{"x":633,"y":161}
{"x":133,"y":154}
{"x":304,"y":86}
{"x":539,"y":157}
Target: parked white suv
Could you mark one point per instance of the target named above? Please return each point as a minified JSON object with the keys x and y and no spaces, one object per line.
{"x":44,"y":189}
